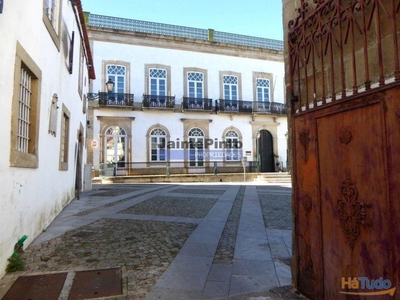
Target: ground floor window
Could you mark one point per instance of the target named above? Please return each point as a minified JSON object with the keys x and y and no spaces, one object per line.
{"x":196,"y":147}
{"x":158,"y":145}
{"x":115,"y":145}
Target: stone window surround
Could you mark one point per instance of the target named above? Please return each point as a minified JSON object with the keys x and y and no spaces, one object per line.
{"x":263,"y":75}
{"x":125,"y":123}
{"x":148,"y":144}
{"x":147,"y":77}
{"x":17,"y":158}
{"x":231,"y":128}
{"x":54,"y":32}
{"x":65,"y":114}
{"x":221,"y":83}
{"x":185,"y":80}
{"x":189,"y":124}
{"x":104,"y":78}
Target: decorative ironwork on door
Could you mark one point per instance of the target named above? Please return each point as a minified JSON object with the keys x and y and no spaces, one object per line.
{"x":339,"y":49}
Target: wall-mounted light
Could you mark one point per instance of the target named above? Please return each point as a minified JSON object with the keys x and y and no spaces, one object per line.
{"x":110,"y":85}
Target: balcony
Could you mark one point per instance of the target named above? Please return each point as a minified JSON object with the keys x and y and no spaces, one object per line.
{"x":240,"y":106}
{"x":269,"y":108}
{"x":112,"y":99}
{"x":234,"y":106}
{"x":197,"y":104}
{"x":158,"y":101}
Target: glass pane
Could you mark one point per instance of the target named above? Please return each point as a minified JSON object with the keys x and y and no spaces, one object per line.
{"x":234,"y":92}
{"x":162,"y":154}
{"x":110,"y":151}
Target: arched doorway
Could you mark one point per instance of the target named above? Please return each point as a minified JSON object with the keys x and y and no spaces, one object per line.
{"x":266,"y":151}
{"x":115,"y":145}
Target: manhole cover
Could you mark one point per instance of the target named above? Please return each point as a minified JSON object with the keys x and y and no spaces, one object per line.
{"x":96,"y":283}
{"x":84,"y":234}
{"x":37,"y":287}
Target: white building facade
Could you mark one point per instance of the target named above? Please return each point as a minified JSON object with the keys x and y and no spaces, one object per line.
{"x":44,"y":79}
{"x":183,"y":99}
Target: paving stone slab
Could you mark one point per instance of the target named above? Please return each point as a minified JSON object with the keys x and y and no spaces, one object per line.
{"x":245,"y":284}
{"x":252,"y":267}
{"x":220,"y":273}
{"x":216,"y":290}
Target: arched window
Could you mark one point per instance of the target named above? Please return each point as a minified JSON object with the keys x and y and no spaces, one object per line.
{"x":232,"y":146}
{"x":115,"y":145}
{"x":196,"y":147}
{"x":158,"y":145}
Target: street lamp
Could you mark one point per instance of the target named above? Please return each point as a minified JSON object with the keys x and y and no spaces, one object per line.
{"x":110,"y":85}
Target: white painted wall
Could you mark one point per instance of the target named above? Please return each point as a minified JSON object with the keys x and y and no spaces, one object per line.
{"x":31,"y":198}
{"x":139,"y":56}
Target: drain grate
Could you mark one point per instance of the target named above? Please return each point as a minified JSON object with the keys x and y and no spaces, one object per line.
{"x":37,"y":287}
{"x":96,"y":283}
{"x":84,"y":234}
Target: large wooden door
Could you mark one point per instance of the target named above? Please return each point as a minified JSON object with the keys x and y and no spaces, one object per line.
{"x":346,"y":195}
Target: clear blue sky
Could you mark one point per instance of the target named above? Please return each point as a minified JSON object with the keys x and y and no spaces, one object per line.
{"x":261,"y":18}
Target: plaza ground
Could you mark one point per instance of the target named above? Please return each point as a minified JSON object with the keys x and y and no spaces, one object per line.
{"x":172,"y":241}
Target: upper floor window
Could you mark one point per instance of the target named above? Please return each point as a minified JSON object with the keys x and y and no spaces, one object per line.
{"x":117,"y":74}
{"x":51,"y":19}
{"x":195,"y":85}
{"x":52,"y":10}
{"x":263,"y":89}
{"x":158,"y":145}
{"x":158,"y":82}
{"x":230,"y":85}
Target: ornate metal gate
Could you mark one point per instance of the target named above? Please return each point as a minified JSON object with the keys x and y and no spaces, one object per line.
{"x":345,"y":126}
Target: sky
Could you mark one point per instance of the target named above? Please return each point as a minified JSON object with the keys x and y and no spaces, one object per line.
{"x":260,"y":18}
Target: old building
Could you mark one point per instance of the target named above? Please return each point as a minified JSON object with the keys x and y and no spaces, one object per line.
{"x":187,"y":98}
{"x":46,"y":66}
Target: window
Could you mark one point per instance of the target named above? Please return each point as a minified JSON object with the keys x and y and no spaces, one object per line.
{"x":230,"y":88}
{"x":232,"y":144}
{"x":25,"y":111}
{"x":115,"y":145}
{"x":263,"y":88}
{"x":158,"y":145}
{"x":51,"y":19}
{"x":51,"y":10}
{"x":196,"y":147}
{"x":195,"y":85}
{"x":64,"y":138}
{"x":158,"y":82}
{"x":117,"y":74}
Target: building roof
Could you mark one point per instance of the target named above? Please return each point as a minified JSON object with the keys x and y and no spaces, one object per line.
{"x":182,"y":31}
{"x":92,"y":74}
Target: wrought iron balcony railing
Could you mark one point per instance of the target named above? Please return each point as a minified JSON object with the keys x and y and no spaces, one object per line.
{"x":112,"y":99}
{"x":158,"y":101}
{"x":198,"y":104}
{"x":270,"y":107}
{"x":234,"y":106}
{"x":250,"y":106}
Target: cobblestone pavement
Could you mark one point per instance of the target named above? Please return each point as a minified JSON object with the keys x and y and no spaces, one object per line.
{"x":142,"y":228}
